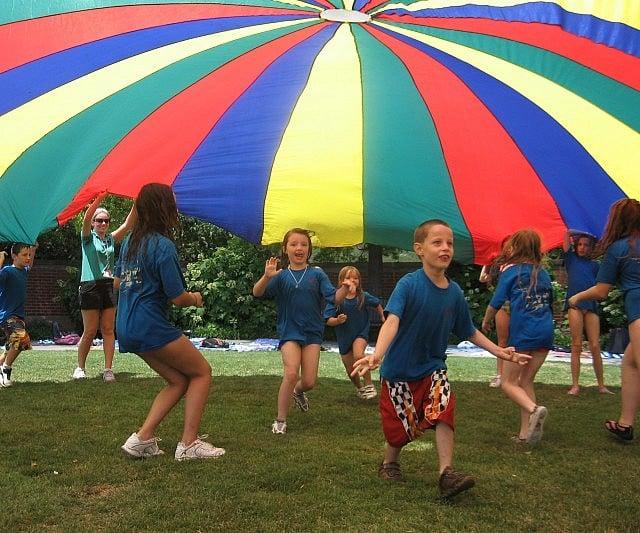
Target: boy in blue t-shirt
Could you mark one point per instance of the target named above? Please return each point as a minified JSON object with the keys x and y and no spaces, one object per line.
{"x":13,"y":294}
{"x":424,"y":309}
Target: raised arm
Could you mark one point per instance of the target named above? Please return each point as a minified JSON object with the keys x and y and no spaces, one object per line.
{"x":3,"y":257}
{"x":270,"y":270}
{"x":484,"y":274}
{"x":566,"y":242}
{"x":127,"y":225}
{"x":88,"y":214}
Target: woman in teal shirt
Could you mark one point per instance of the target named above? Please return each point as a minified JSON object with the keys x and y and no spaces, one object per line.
{"x":97,"y":301}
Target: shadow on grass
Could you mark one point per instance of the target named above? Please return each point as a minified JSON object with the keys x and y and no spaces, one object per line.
{"x":64,"y":469}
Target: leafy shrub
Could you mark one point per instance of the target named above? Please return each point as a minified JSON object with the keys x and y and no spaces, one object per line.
{"x":612,"y":311}
{"x":39,"y":328}
{"x":226,"y":280}
{"x":68,"y":296}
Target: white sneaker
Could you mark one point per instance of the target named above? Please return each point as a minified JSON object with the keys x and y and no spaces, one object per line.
{"x":370,"y":391}
{"x":362,"y":393}
{"x":278,"y":427}
{"x":137,"y":448}
{"x":107,"y":375}
{"x":496,"y":382}
{"x":5,"y":376}
{"x":79,"y":373}
{"x":199,"y":449}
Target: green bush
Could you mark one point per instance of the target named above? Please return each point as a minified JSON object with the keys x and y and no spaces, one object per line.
{"x":68,"y":296}
{"x":39,"y":328}
{"x":226,"y":280}
{"x":612,"y":311}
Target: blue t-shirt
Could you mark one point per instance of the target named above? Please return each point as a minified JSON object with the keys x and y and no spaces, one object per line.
{"x":299,"y":296}
{"x":148,"y":282}
{"x":581,"y":273}
{"x":357,"y":324}
{"x":531,"y":321}
{"x":621,"y":265}
{"x":428,"y":315}
{"x":97,"y":257}
{"x":13,"y":292}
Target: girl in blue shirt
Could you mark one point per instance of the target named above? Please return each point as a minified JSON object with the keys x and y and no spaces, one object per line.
{"x":581,"y":274}
{"x":299,"y":291}
{"x":351,"y":320}
{"x":148,"y":276}
{"x":621,"y":264}
{"x":527,"y":286}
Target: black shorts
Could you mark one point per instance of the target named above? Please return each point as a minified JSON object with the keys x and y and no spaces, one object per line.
{"x":96,"y":294}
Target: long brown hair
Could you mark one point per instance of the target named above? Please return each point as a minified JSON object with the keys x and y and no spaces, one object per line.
{"x":157,"y":213}
{"x":344,"y":272}
{"x":525,"y":246}
{"x":284,"y":258}
{"x":623,"y":221}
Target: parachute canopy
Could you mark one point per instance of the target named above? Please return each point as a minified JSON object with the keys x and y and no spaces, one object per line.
{"x":355,"y":119}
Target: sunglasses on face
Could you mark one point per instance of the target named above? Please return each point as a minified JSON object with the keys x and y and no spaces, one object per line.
{"x":102,"y":220}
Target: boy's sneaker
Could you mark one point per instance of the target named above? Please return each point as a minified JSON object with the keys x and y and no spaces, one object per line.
{"x":279,"y":427}
{"x":536,"y":423}
{"x":362,"y":393}
{"x":390,"y":472}
{"x":134,"y":447}
{"x":79,"y":373}
{"x":452,"y":482}
{"x":302,"y":402}
{"x":107,"y":375}
{"x":199,"y":449}
{"x":496,"y":382}
{"x":6,"y":376}
{"x":370,"y":391}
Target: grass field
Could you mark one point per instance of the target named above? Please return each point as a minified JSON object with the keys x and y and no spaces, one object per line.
{"x":61,"y":468}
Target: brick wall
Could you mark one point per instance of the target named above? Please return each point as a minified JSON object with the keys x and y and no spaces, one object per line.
{"x":42,"y":289}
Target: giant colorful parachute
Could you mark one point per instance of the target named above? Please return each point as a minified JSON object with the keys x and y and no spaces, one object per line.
{"x":355,"y":119}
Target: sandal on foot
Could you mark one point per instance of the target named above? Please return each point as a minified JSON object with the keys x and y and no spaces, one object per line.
{"x":604,"y":390}
{"x":573,"y":391}
{"x":517,"y":439}
{"x":624,"y":433}
{"x":390,"y":472}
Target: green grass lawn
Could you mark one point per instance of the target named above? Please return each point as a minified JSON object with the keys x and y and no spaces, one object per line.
{"x":61,"y":468}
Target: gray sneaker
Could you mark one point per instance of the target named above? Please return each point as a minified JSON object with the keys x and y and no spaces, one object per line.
{"x":198,"y":449}
{"x":536,"y":424}
{"x":139,"y":449}
{"x":107,"y":375}
{"x":279,"y":427}
{"x":301,"y":400}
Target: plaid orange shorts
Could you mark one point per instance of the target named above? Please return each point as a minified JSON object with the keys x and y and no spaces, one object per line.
{"x":408,"y":408}
{"x":16,"y":334}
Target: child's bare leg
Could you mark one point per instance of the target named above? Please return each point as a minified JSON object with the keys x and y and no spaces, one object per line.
{"x":631,"y":377}
{"x":291,"y":357}
{"x":502,"y":331}
{"x":444,"y":443}
{"x":576,"y":325}
{"x":391,"y":454}
{"x":359,"y":346}
{"x":310,"y":359}
{"x":592,"y":329}
{"x":11,"y":355}
{"x":347,"y":361}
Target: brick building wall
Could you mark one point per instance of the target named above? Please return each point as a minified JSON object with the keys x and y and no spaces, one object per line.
{"x":42,"y":289}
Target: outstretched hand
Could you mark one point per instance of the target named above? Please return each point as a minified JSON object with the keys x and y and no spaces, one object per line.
{"x":510,"y":354}
{"x":365,"y":364}
{"x":271,"y":267}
